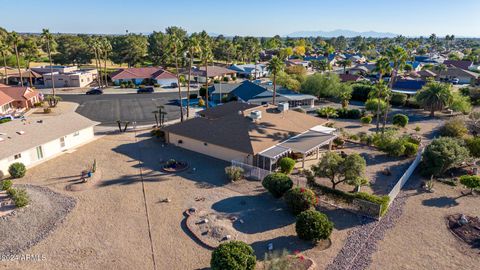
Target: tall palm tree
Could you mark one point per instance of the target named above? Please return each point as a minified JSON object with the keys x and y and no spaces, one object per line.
{"x":398,"y":57}
{"x":4,"y":50}
{"x":434,"y":96}
{"x":94,"y":44}
{"x":48,"y":39}
{"x":275,"y":66}
{"x":382,"y":67}
{"x":106,"y":48}
{"x":345,"y":63}
{"x":14,"y":40}
{"x":206,"y":55}
{"x":175,"y":44}
{"x":380,"y":92}
{"x":193,"y":48}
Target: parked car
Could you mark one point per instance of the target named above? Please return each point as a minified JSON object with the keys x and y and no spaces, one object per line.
{"x":145,"y":90}
{"x":94,"y":91}
{"x":174,"y":85}
{"x":455,"y":81}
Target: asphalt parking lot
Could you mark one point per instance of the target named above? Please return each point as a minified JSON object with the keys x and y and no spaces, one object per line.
{"x":108,"y":109}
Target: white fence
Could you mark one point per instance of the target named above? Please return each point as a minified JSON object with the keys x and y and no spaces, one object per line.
{"x":404,"y":179}
{"x":251,"y":171}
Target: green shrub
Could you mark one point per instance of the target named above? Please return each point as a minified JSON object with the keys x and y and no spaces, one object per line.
{"x":365,"y":138}
{"x":398,"y":99}
{"x":300,"y":199}
{"x":338,"y":141}
{"x":5,"y":120}
{"x":277,"y":184}
{"x":201,"y":102}
{"x":349,"y":114}
{"x":313,"y":226}
{"x":361,"y":91}
{"x":21,"y":198}
{"x":6,"y":184}
{"x":443,"y":154}
{"x":233,"y":255}
{"x":411,"y":149}
{"x":156,"y":85}
{"x":353,"y":137}
{"x":454,"y":128}
{"x":473,"y":145}
{"x":400,"y":120}
{"x":470,"y":181}
{"x":383,"y":201}
{"x":225,"y":79}
{"x":286,"y":165}
{"x":366,"y":120}
{"x":371,"y":105}
{"x":17,"y":170}
{"x":234,"y":173}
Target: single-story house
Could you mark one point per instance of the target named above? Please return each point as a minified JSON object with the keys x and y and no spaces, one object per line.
{"x":13,"y":76}
{"x":463,"y":64}
{"x":347,"y":77}
{"x":298,"y":62}
{"x":214,"y":73}
{"x":6,"y":103}
{"x":152,"y":75}
{"x":250,"y":92}
{"x":331,"y":58}
{"x":426,"y":74}
{"x":23,"y":97}
{"x":36,"y":140}
{"x":257,"y":135}
{"x":464,"y":76}
{"x":66,"y":76}
{"x":250,"y":70}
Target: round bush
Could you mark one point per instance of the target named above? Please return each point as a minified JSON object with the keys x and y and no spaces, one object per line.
{"x":400,"y":120}
{"x":277,"y":184}
{"x":410,"y":149}
{"x":470,"y":181}
{"x":17,"y":170}
{"x":366,"y":120}
{"x":314,"y":226}
{"x":454,"y":128}
{"x":6,"y":184}
{"x":233,"y":255}
{"x":300,"y":199}
{"x":398,"y":99}
{"x":473,"y":145}
{"x":443,"y":154}
{"x":286,"y":165}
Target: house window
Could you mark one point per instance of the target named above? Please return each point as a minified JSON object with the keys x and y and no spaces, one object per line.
{"x":39,"y":152}
{"x":205,"y":143}
{"x":62,"y":142}
{"x":180,"y":141}
{"x":76,"y":133}
{"x":17,"y":156}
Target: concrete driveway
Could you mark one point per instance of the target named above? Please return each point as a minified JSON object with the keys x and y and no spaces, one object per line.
{"x":107,"y":109}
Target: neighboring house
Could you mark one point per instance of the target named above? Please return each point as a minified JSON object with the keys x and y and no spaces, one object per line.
{"x":214,"y":73}
{"x":250,"y":92}
{"x":250,"y":70}
{"x":6,"y":103}
{"x":355,"y":58}
{"x":331,"y":59}
{"x":463,"y":76}
{"x":35,"y":140}
{"x":66,"y":76}
{"x":349,"y":77}
{"x":463,"y":64}
{"x":426,"y":74}
{"x":251,"y":134}
{"x":298,"y":62}
{"x":23,"y":97}
{"x":13,"y":77}
{"x":409,"y":87}
{"x":149,"y":75}
{"x":363,"y":69}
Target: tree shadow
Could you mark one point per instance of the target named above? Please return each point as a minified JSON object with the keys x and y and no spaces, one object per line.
{"x":290,"y":243}
{"x":255,"y":213}
{"x":343,"y":219}
{"x":441,"y":202}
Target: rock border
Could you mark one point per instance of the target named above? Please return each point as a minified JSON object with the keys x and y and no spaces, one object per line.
{"x":188,"y":215}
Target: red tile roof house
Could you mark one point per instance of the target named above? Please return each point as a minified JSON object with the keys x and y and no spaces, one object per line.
{"x":154,"y":75}
{"x":23,"y":97}
{"x":6,"y":103}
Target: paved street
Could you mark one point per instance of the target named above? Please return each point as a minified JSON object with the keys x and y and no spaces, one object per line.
{"x":107,"y":109}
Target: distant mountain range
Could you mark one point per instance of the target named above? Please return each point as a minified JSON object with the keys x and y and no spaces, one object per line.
{"x":341,"y":32}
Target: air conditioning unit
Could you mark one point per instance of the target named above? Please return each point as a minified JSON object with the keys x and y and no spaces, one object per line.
{"x":256,"y":115}
{"x":283,"y":106}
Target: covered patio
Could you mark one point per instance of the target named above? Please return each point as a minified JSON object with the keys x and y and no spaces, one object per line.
{"x":305,"y":144}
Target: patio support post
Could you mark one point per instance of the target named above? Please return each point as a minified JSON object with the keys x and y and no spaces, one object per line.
{"x":318,"y":151}
{"x":270,"y":164}
{"x":330,"y":146}
{"x":303,"y":161}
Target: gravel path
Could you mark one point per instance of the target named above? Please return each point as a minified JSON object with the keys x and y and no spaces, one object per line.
{"x":361,"y":243}
{"x":29,"y":225}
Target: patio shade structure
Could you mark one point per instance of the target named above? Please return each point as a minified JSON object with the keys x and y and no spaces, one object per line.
{"x":303,"y":143}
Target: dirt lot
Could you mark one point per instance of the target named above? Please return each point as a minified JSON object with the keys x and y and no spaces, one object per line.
{"x":109,"y":228}
{"x":421,"y":240}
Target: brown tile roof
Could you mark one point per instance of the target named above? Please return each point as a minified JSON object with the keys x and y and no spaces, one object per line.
{"x":463,"y":64}
{"x":213,"y":71}
{"x":14,"y":73}
{"x":141,"y":73}
{"x":5,"y":99}
{"x":19,"y":93}
{"x":235,"y":130}
{"x":348,"y":77}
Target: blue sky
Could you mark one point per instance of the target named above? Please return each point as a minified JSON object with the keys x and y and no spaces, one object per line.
{"x":247,"y":17}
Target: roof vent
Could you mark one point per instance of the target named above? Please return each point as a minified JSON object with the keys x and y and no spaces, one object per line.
{"x":21,"y":132}
{"x":255,"y":115}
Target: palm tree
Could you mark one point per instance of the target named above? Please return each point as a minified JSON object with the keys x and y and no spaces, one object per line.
{"x":345,"y":94}
{"x":397,"y":56}
{"x":14,"y":40}
{"x":206,"y":55}
{"x":380,"y":92}
{"x":382,"y":67}
{"x":345,"y":63}
{"x":275,"y":66}
{"x":175,"y":44}
{"x":106,"y":48}
{"x":434,"y":96}
{"x":193,"y":48}
{"x":4,"y":50}
{"x":48,"y":39}
{"x":328,"y":112}
{"x":94,"y":44}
